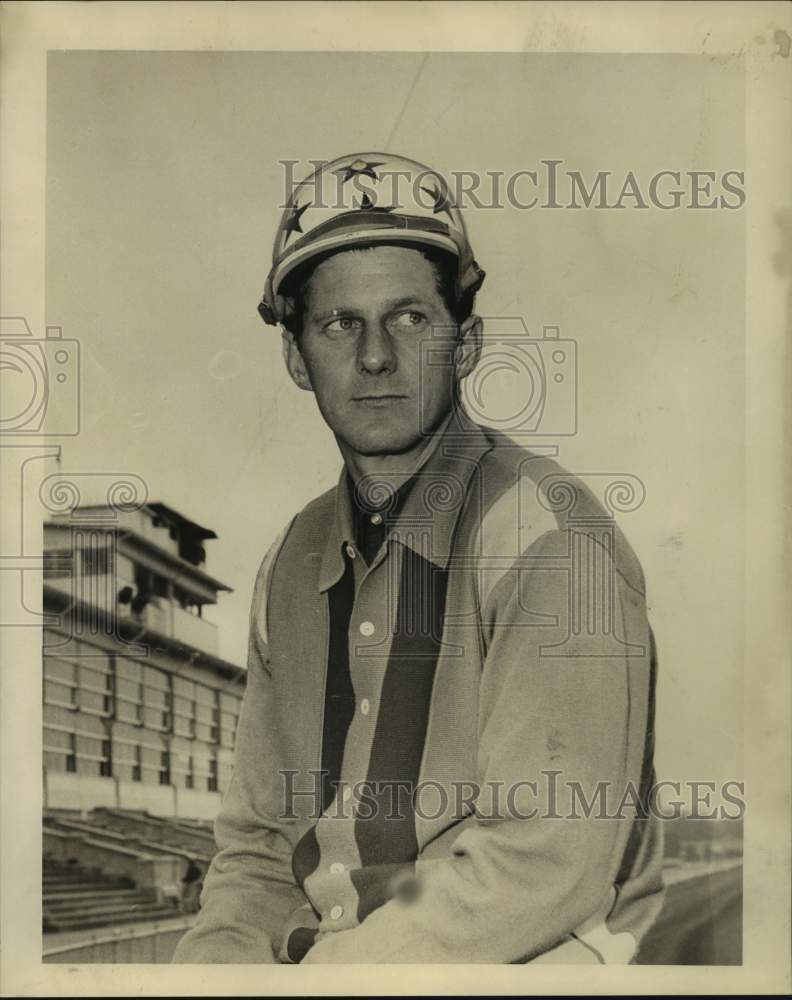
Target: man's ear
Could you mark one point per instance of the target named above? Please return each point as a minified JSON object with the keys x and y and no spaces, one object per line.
{"x":294,"y":361}
{"x":468,"y":350}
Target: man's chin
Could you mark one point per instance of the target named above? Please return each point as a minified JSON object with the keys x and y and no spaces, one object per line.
{"x":383,"y":441}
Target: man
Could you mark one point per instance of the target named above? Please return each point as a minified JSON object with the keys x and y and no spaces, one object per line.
{"x":445,"y":749}
{"x":191,"y":887}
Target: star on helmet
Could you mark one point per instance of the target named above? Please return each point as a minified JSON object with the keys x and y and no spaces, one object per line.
{"x":293,"y":222}
{"x":441,"y":200}
{"x":363,"y":167}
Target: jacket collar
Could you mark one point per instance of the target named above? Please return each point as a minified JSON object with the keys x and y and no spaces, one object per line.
{"x":429,"y":515}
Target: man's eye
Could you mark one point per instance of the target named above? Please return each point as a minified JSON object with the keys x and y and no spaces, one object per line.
{"x":408,"y":320}
{"x":342,"y":324}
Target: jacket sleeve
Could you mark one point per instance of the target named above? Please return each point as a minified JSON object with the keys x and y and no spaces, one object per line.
{"x":249,"y":890}
{"x":521,"y":876}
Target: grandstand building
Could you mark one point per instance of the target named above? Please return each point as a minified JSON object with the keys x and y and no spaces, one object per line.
{"x":139,"y":710}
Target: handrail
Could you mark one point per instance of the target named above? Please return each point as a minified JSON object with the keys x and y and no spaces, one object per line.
{"x":105,"y":845}
{"x":86,"y":828}
{"x":117,"y":849}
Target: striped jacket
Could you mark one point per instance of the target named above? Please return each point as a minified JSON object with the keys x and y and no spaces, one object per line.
{"x":444,"y":756}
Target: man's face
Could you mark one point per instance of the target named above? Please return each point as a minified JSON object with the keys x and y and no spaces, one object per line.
{"x":367,"y":321}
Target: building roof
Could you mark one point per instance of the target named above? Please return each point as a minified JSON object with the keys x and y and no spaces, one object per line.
{"x":191,"y":535}
{"x":174,"y":517}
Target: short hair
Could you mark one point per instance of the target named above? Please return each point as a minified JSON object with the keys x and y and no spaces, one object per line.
{"x":443,"y":263}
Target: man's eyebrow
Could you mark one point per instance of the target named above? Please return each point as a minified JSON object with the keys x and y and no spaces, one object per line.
{"x":408,"y":300}
{"x":336,"y":311}
{"x":400,"y":303}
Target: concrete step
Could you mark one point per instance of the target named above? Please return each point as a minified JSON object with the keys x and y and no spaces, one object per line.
{"x":67,"y":873}
{"x":122,"y":896}
{"x":88,"y":894}
{"x":110,"y":906}
{"x":88,"y":883}
{"x":67,"y":878}
{"x":89,"y":920}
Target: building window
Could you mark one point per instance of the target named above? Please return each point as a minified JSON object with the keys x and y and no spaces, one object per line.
{"x":205,"y":721}
{"x":60,"y":682}
{"x":179,"y":749}
{"x":126,"y":756}
{"x":183,"y":708}
{"x":95,"y":683}
{"x":212,"y":780}
{"x":71,"y":756}
{"x":189,"y":778}
{"x":64,"y":695}
{"x":58,"y":730}
{"x":156,"y":699}
{"x":106,"y":764}
{"x":202,"y":770}
{"x":153,"y":745}
{"x":215,"y":731}
{"x":229,"y":715}
{"x":164,"y":776}
{"x":128,"y":691}
{"x":137,"y":769}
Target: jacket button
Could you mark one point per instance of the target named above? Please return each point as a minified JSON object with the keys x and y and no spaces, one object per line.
{"x":337,"y":912}
{"x":365,"y":706}
{"x":336,"y":868}
{"x":350,"y":552}
{"x":367,"y":628}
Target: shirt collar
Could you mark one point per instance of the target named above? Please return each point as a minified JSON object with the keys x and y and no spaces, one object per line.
{"x":428,"y":517}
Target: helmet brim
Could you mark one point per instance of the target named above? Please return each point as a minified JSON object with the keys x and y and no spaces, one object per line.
{"x":355,"y":240}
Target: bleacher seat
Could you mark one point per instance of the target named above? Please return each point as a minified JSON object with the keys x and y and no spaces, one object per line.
{"x":77,"y":898}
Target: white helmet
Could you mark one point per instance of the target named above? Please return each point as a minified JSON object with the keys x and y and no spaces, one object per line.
{"x":364,"y":199}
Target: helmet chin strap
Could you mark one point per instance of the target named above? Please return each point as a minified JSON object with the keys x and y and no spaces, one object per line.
{"x":267,"y":313}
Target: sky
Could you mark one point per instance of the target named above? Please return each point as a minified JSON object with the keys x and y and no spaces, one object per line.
{"x":163,"y":192}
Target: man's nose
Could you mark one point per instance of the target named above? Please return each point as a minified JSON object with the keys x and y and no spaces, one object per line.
{"x":375,"y":351}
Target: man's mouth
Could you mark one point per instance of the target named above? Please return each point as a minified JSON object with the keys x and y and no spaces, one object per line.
{"x":378,"y":399}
